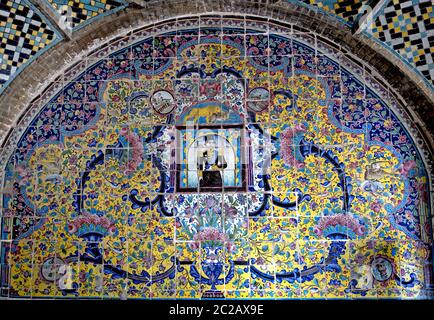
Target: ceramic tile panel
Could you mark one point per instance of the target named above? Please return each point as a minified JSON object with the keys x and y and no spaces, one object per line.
{"x":210,"y":161}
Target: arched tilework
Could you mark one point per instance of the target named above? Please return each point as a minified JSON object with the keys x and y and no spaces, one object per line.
{"x":403,"y":28}
{"x":236,"y":159}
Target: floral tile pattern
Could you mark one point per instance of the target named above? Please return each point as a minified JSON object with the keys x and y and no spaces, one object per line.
{"x":219,"y":158}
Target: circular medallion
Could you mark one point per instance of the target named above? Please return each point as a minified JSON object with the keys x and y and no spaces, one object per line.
{"x":382,"y":269}
{"x":162,"y":101}
{"x":50,"y":268}
{"x":258,"y":99}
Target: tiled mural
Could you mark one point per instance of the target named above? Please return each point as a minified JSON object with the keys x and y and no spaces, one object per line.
{"x":215,"y":159}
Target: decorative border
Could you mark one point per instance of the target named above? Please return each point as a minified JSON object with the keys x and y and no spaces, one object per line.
{"x":56,"y":40}
{"x":90,"y":20}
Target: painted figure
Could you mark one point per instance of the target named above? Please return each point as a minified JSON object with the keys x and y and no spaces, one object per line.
{"x":210,"y":163}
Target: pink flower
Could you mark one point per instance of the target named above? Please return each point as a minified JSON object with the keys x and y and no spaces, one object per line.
{"x":230,"y":211}
{"x":72,"y":228}
{"x":348,"y":117}
{"x":287,"y":144}
{"x":406,"y":167}
{"x":90,"y":220}
{"x":137,"y":150}
{"x":344,"y":220}
{"x":376,"y":207}
{"x":211,"y":236}
{"x":49,"y":113}
{"x":402,"y":139}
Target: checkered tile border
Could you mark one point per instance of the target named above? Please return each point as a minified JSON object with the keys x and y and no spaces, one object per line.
{"x":24,"y":33}
{"x":408,"y":28}
{"x":78,"y":12}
